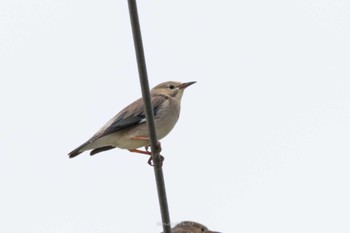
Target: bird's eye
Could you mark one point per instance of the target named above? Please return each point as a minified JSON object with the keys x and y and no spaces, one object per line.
{"x":171,"y":86}
{"x":203,"y":230}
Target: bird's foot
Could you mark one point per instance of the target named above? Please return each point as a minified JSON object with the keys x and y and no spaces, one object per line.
{"x":158,"y":160}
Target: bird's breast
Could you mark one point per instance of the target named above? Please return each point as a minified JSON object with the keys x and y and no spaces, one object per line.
{"x":166,"y":117}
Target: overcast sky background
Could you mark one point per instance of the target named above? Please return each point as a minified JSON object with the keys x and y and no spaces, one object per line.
{"x":262,"y":144}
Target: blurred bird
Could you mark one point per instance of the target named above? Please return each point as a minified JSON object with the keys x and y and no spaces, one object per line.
{"x":128,"y":129}
{"x":191,"y":227}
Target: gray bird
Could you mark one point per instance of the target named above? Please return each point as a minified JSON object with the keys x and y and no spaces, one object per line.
{"x":128,"y":129}
{"x":191,"y":227}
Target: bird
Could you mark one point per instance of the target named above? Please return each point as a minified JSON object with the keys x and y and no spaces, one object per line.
{"x":191,"y":227}
{"x":128,"y":129}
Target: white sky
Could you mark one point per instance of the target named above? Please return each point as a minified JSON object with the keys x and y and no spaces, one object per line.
{"x":262,"y":144}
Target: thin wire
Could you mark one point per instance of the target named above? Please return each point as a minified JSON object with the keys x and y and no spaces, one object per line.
{"x":157,"y":162}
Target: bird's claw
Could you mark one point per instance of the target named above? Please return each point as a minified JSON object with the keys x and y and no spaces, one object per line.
{"x":158,"y":160}
{"x":158,"y":157}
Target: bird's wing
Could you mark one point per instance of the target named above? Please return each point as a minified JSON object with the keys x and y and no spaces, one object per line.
{"x":130,"y":116}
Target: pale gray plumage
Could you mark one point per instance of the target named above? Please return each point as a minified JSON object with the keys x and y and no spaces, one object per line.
{"x":191,"y":227}
{"x":130,"y":123}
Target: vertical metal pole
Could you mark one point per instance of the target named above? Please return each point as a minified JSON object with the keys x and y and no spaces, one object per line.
{"x":141,"y":63}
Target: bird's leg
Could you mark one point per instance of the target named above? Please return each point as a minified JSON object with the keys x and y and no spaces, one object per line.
{"x":146,"y":147}
{"x":158,"y":146}
{"x":140,"y":138}
{"x":158,"y":157}
{"x":140,"y":151}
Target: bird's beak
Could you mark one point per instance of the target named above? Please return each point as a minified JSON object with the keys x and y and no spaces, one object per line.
{"x":213,"y":232}
{"x":184,"y":85}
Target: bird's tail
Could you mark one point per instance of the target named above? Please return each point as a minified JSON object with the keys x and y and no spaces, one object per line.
{"x":78,"y":150}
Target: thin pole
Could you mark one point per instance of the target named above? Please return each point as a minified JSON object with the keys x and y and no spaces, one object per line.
{"x":157,"y":162}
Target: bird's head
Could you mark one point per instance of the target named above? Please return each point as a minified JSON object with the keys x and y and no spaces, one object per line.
{"x":192,"y":227}
{"x":171,"y":88}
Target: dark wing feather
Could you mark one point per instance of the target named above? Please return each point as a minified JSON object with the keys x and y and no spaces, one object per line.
{"x":132,"y":115}
{"x":122,"y":122}
{"x":98,"y":150}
